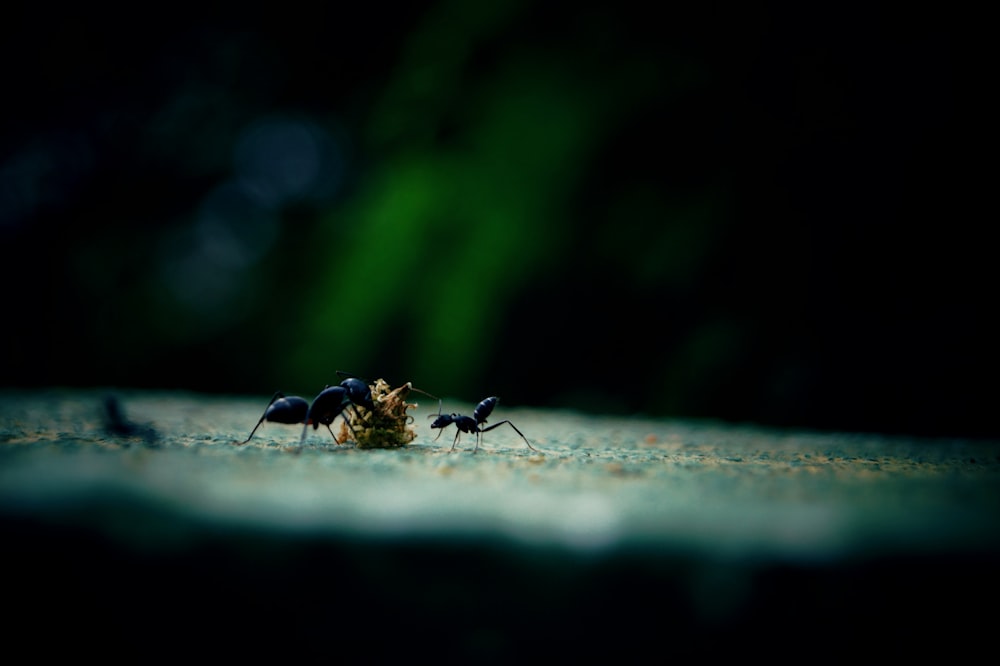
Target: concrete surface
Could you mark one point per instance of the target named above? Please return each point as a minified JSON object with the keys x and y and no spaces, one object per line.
{"x":620,"y":534}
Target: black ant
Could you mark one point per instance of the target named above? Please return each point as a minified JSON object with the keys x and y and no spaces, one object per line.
{"x":472,"y":424}
{"x":283,"y":409}
{"x":331,"y":402}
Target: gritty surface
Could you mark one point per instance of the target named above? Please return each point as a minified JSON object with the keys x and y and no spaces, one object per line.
{"x":596,"y":482}
{"x":150,"y":527}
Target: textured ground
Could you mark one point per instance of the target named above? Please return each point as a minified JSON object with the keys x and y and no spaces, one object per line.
{"x":683,"y":532}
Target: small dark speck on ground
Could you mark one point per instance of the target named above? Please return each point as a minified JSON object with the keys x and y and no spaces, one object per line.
{"x":117,"y":424}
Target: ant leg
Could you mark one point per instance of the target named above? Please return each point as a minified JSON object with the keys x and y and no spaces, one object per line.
{"x":252,"y":431}
{"x":515,"y":430}
{"x":335,"y":440}
{"x":458,"y":433}
{"x":278,"y":395}
{"x":351,"y":428}
{"x":361,"y":418}
{"x":347,"y":422}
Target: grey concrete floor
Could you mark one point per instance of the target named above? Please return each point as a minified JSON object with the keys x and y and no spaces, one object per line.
{"x":720,"y":522}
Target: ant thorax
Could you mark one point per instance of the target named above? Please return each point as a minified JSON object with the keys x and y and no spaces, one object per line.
{"x":389,"y":426}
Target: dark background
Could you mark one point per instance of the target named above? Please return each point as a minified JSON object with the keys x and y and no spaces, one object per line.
{"x":772,"y":214}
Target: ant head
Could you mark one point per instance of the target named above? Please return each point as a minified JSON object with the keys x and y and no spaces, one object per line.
{"x":358,"y":392}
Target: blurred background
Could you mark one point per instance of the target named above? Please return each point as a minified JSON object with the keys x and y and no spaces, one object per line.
{"x":753,"y":213}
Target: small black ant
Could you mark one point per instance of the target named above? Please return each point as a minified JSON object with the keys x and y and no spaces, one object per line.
{"x":331,"y":402}
{"x":472,"y":424}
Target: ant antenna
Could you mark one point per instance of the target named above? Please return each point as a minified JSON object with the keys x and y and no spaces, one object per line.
{"x":414,"y":388}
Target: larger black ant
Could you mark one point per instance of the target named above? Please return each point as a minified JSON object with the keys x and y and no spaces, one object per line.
{"x":283,"y":409}
{"x":331,"y":402}
{"x":472,"y":424}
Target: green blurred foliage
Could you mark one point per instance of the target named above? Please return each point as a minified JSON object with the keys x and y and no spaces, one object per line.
{"x":470,"y":198}
{"x":745,"y":212}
